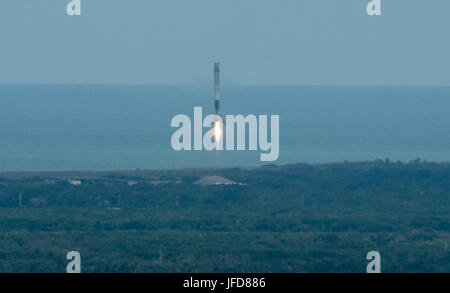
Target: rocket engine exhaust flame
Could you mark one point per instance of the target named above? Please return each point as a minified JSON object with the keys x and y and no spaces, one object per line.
{"x":217,"y":131}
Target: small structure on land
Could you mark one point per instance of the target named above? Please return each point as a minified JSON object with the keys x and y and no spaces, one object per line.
{"x":159,"y":182}
{"x":131,"y":183}
{"x":216,"y":180}
{"x":75,"y":182}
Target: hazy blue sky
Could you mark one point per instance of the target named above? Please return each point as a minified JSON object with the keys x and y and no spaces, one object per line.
{"x":257,"y":42}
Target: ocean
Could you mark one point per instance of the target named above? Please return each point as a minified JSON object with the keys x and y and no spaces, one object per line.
{"x":108,"y":127}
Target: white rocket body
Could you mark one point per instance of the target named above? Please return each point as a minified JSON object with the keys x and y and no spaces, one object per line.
{"x":217,"y":87}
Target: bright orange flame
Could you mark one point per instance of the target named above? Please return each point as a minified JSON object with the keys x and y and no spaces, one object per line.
{"x":217,"y":130}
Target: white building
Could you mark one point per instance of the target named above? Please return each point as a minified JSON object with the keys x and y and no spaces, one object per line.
{"x":75,"y":182}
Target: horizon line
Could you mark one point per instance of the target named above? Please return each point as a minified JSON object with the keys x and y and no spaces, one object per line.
{"x":229,"y":85}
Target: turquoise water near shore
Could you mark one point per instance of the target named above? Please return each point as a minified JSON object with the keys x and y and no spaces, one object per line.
{"x":102,"y":127}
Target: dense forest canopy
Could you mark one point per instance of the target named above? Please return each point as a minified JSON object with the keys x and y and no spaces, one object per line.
{"x":293,"y":218}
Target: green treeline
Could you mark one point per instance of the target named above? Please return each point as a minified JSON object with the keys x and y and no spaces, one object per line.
{"x":294,"y":218}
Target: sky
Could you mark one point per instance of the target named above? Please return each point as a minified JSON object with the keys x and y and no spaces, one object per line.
{"x":258,"y":42}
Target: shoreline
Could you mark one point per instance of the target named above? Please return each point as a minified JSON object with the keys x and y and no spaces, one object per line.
{"x":136,"y":171}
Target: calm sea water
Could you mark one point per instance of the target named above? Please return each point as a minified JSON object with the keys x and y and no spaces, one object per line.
{"x":128,"y":127}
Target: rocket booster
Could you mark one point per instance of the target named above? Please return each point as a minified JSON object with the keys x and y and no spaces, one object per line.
{"x":217,"y":87}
